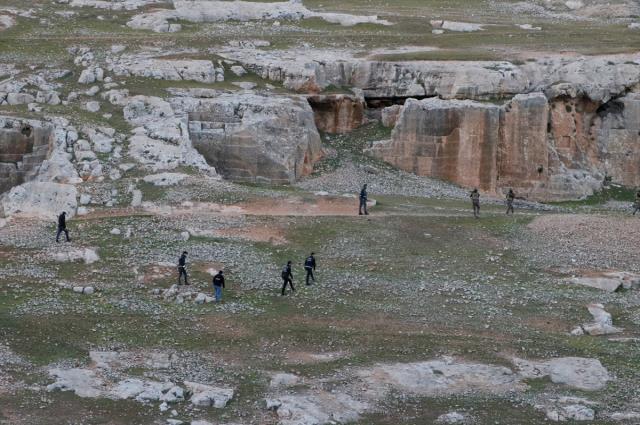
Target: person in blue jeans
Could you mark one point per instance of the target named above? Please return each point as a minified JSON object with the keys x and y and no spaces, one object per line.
{"x":218,"y":284}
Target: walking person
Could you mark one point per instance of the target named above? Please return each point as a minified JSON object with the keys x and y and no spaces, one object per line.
{"x":182,"y":269}
{"x":363,"y":201}
{"x":510,"y":197}
{"x":475,"y":200}
{"x":287,"y":278}
{"x":636,"y":203}
{"x":62,"y":227}
{"x":218,"y":284}
{"x":310,"y":267}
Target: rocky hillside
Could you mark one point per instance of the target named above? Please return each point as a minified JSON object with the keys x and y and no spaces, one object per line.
{"x":242,"y":132}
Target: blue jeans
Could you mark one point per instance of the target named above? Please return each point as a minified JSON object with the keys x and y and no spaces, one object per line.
{"x":218,"y":290}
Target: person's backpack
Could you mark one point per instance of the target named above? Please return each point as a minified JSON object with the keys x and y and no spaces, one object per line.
{"x":285,"y":272}
{"x":308,"y":262}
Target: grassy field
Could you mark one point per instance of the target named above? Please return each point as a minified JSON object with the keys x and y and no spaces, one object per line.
{"x":416,"y":280}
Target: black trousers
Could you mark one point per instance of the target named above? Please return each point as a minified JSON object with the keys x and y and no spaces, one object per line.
{"x":182,"y":271}
{"x":66,"y":233}
{"x":309,"y":274}
{"x":284,"y":285}
{"x":509,"y":207}
{"x":476,"y":209}
{"x":363,"y":206}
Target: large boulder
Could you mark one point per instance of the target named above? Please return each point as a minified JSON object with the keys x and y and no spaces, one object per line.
{"x":339,"y":113}
{"x":453,"y":140}
{"x":255,"y":138}
{"x":40,"y":199}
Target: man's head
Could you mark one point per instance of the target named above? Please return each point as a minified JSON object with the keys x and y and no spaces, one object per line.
{"x":475,"y":190}
{"x":365,"y":186}
{"x":184,"y":253}
{"x":289,"y":263}
{"x":64,"y":213}
{"x":220,"y":272}
{"x":312,"y":254}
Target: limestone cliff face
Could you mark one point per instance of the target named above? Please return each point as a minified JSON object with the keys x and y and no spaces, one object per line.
{"x":555,"y":149}
{"x":599,"y":78}
{"x":255,"y":138}
{"x":339,"y":113}
{"x":523,"y":152}
{"x":23,"y":147}
{"x":618,"y":139}
{"x":452,"y":140}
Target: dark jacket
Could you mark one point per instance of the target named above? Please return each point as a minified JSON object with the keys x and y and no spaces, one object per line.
{"x":286,"y":272}
{"x":218,"y":280}
{"x":511,"y":196}
{"x":475,"y":197}
{"x":310,"y":262}
{"x":62,"y":221}
{"x":182,"y":262}
{"x":363,"y":194}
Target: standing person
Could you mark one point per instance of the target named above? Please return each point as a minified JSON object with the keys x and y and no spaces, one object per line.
{"x":182,"y":268}
{"x":310,"y":267}
{"x":510,"y":197}
{"x":218,"y":284}
{"x":287,"y":277}
{"x":475,"y":200}
{"x":62,"y":227}
{"x":636,"y":203}
{"x":363,"y":201}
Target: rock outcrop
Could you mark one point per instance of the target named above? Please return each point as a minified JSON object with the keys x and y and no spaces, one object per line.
{"x":452,"y":140}
{"x":24,"y":145}
{"x":43,"y":200}
{"x":599,"y":78}
{"x":546,"y":149}
{"x":220,"y":11}
{"x":339,"y":113}
{"x":254,"y":138}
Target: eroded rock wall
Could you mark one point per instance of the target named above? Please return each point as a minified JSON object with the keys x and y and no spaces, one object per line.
{"x":546,"y":149}
{"x":523,"y":153}
{"x":24,"y":145}
{"x":255,"y":138}
{"x":453,"y":140}
{"x":339,"y":113}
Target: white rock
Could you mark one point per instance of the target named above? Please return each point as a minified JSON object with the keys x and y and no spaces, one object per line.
{"x":238,"y":70}
{"x":451,"y":418}
{"x":40,"y":199}
{"x":456,"y":26}
{"x":85,"y":199}
{"x":185,"y":236}
{"x":284,"y":380}
{"x":165,"y":179}
{"x":136,"y":199}
{"x":574,"y":4}
{"x":115,"y":231}
{"x":92,"y":106}
{"x":87,"y":76}
{"x":209,"y":396}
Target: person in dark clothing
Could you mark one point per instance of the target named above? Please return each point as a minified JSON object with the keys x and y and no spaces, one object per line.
{"x":510,"y":197}
{"x":363,"y":201}
{"x":310,"y":267}
{"x":62,"y":227}
{"x":287,"y":277}
{"x":636,"y":203}
{"x":218,"y":284}
{"x":475,"y":200}
{"x":182,"y":269}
